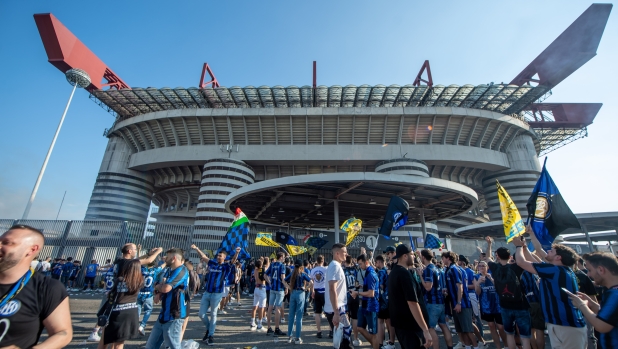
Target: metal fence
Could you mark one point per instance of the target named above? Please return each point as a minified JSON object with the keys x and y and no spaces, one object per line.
{"x":102,"y":240}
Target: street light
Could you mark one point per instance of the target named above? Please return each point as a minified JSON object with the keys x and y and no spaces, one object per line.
{"x":77,"y":78}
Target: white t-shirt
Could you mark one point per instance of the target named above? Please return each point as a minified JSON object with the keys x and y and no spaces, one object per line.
{"x":45,"y":266}
{"x":335,"y":273}
{"x":318,"y":275}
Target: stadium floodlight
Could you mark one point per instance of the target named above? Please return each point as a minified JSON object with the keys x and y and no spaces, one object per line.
{"x":77,"y":78}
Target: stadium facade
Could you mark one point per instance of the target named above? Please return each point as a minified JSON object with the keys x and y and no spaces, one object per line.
{"x":311,"y":156}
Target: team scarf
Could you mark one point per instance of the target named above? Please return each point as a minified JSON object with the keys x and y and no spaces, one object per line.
{"x":16,"y":288}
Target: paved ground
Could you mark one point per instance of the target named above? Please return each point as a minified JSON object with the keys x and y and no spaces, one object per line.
{"x":232,"y":329}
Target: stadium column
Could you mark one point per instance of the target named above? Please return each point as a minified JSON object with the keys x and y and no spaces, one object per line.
{"x":519,"y":180}
{"x":410,"y":167}
{"x":220,"y":177}
{"x":120,"y":193}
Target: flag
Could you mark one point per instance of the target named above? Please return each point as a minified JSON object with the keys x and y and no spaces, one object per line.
{"x":412,"y":247}
{"x":315,"y":242}
{"x":273,"y":255}
{"x":296,"y":250}
{"x":513,"y":225}
{"x":548,"y":213}
{"x":236,"y":236}
{"x":285,"y":239}
{"x":265,"y":239}
{"x":396,"y":216}
{"x":432,"y":242}
{"x":353,"y":227}
{"x":311,"y":250}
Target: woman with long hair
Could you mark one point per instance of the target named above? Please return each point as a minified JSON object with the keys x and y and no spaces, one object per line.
{"x":489,"y":303}
{"x":295,"y":282}
{"x":123,"y":320}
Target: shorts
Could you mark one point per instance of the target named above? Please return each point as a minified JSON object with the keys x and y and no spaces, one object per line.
{"x":383,"y":314}
{"x":436,"y":314}
{"x":226,"y":290}
{"x":318,"y":303}
{"x":489,"y":318}
{"x":259,"y":297}
{"x":72,"y":278}
{"x":353,"y":307}
{"x":537,"y":319}
{"x":463,"y":320}
{"x":367,"y":320}
{"x":89,"y":280}
{"x":519,"y":317}
{"x":276,"y":298}
{"x":474,"y":300}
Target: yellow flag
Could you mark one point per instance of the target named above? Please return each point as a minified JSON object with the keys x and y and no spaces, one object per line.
{"x":311,"y":250}
{"x":513,"y":225}
{"x":208,"y":253}
{"x":273,"y":256}
{"x":353,"y":227}
{"x":296,"y":250}
{"x":265,"y":239}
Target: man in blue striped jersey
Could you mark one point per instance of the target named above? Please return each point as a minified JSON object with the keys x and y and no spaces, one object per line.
{"x":530,"y":284}
{"x":565,"y":324}
{"x":146,"y":294}
{"x":168,"y":327}
{"x":603,"y":270}
{"x":455,"y":279}
{"x":434,"y":299}
{"x":276,"y":275}
{"x":218,"y":272}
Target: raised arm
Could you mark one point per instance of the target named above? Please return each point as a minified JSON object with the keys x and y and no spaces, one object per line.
{"x":202,"y":255}
{"x":235,"y":256}
{"x":538,"y":249}
{"x":520,"y":257}
{"x":151,"y":256}
{"x":489,"y":241}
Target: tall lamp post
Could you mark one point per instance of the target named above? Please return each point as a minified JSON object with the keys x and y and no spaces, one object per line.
{"x":77,"y":78}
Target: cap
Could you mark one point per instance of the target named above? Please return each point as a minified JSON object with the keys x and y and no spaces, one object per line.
{"x":401,"y":250}
{"x":389,"y":249}
{"x":298,"y":263}
{"x":464,"y":259}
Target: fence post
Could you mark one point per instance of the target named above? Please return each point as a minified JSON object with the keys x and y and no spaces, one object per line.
{"x":123,"y":238}
{"x":190,"y":242}
{"x":88,"y":256}
{"x":64,"y":238}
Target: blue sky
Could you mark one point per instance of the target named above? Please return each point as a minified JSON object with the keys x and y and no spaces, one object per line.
{"x":165,"y":43}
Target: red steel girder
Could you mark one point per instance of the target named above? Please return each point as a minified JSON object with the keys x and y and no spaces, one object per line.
{"x":419,"y":77}
{"x":213,"y":80}
{"x":65,"y":51}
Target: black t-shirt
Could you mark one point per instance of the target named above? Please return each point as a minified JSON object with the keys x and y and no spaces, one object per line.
{"x":403,"y":287}
{"x":585,"y":284}
{"x":123,"y":295}
{"x":21,"y":319}
{"x":521,"y":304}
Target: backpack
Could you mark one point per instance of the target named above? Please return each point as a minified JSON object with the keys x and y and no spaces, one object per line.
{"x":507,"y":284}
{"x":194,"y":281}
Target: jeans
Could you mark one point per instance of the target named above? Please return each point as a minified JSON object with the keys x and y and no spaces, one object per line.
{"x":168,"y":332}
{"x":297,"y":307}
{"x":210,"y":300}
{"x":147,"y":304}
{"x":307,"y":300}
{"x":519,"y":317}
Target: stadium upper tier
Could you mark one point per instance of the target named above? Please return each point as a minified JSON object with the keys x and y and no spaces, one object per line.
{"x":502,"y":98}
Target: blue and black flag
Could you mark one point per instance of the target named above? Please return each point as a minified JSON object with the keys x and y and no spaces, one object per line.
{"x":548,"y":213}
{"x":236,"y":236}
{"x":285,"y":239}
{"x":396,"y":216}
{"x":433,"y":242}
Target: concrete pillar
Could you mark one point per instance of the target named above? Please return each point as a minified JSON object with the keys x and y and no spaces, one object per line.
{"x":423,"y":228}
{"x":336,"y":214}
{"x":585,"y":230}
{"x":120,"y":193}
{"x":220,"y":177}
{"x":519,"y":180}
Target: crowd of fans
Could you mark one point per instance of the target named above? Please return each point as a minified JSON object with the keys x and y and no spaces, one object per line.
{"x":416,"y":298}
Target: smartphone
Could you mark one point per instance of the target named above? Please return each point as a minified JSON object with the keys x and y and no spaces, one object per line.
{"x":567,"y":292}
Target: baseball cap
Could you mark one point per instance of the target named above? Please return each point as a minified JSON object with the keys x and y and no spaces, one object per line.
{"x":464,"y":259}
{"x":298,"y":263}
{"x":389,"y":249}
{"x":401,"y":250}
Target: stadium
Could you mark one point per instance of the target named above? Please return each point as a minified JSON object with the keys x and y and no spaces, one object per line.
{"x":310,"y":157}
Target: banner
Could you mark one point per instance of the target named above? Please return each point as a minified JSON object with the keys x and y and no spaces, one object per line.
{"x":513,"y":225}
{"x":265,"y":239}
{"x":353,"y":227}
{"x":296,"y":250}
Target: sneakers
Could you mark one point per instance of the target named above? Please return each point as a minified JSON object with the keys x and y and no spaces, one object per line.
{"x":222,"y":311}
{"x":459,"y":345}
{"x":278,"y":332}
{"x":319,"y":334}
{"x":298,"y":341}
{"x":205,"y":337}
{"x":389,"y":346}
{"x":270,"y":331}
{"x":282,"y":320}
{"x":264,"y":319}
{"x":141,"y":331}
{"x":259,"y":328}
{"x":356,"y":342}
{"x":211,"y":341}
{"x":94,"y":337}
{"x":253,"y":326}
{"x":290,"y":340}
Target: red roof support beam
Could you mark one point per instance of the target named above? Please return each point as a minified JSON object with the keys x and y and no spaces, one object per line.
{"x":419,"y":77}
{"x":572,"y":49}
{"x":213,"y":80}
{"x":566,"y":115}
{"x":65,"y":51}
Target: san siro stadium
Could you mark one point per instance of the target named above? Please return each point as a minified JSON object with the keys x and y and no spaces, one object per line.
{"x":310,"y":157}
